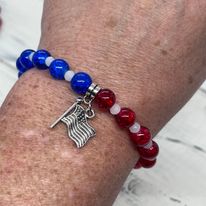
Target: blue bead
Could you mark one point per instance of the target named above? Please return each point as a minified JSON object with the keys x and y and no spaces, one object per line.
{"x":81,"y":82}
{"x":39,"y":59}
{"x":19,"y":66}
{"x":24,"y":59}
{"x":19,"y":74}
{"x":58,"y":68}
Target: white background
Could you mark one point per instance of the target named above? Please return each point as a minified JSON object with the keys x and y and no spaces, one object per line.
{"x":180,"y":175}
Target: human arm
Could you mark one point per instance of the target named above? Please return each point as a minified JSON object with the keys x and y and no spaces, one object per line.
{"x":147,"y":52}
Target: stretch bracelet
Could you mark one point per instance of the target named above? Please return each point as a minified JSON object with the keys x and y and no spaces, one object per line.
{"x":77,"y":116}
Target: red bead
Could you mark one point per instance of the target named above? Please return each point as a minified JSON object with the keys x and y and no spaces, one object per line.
{"x":142,"y":137}
{"x":105,"y":98}
{"x":149,"y":153}
{"x":147,"y":163}
{"x":138,"y":165}
{"x":125,"y":118}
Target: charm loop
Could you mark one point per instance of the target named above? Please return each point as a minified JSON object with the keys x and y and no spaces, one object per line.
{"x":89,"y":113}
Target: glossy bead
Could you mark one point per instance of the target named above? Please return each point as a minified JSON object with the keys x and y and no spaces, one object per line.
{"x":135,"y":128}
{"x":24,"y":59}
{"x":142,"y":137}
{"x":81,"y":82}
{"x":149,"y":153}
{"x":49,"y":60}
{"x":39,"y":59}
{"x":69,"y":75}
{"x":125,"y":118}
{"x":147,"y":163}
{"x":115,"y":109}
{"x":58,"y":68}
{"x":20,"y":67}
{"x":105,"y":99}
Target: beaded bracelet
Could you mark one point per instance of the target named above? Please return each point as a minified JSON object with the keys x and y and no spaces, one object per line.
{"x":77,"y":116}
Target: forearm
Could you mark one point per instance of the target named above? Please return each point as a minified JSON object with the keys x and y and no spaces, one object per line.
{"x":41,"y":161}
{"x":117,"y":43}
{"x":136,"y":48}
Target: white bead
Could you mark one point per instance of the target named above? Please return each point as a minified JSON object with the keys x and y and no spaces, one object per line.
{"x":31,"y":56}
{"x":135,"y":128}
{"x":49,"y":60}
{"x":147,"y":146}
{"x":69,"y":75}
{"x":115,"y":109}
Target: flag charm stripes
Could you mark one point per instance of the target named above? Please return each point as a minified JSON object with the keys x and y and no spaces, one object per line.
{"x":76,"y":120}
{"x":78,"y":128}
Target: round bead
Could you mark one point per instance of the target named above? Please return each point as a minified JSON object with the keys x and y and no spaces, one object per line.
{"x":147,"y":163}
{"x":81,"y":82}
{"x":24,"y":59}
{"x":69,"y":75}
{"x":105,"y":98}
{"x":142,"y":137}
{"x":19,"y":66}
{"x":49,"y":60}
{"x":149,"y":153}
{"x":125,"y":118}
{"x":115,"y":109}
{"x":135,"y":128}
{"x":39,"y":59}
{"x":58,"y":68}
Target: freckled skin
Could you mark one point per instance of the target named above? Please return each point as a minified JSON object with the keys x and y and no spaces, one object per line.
{"x":119,"y":43}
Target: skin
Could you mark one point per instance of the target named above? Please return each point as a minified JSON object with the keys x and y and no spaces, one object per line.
{"x":150,"y":53}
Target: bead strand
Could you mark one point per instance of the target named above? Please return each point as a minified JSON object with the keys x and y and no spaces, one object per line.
{"x":105,"y":99}
{"x":58,"y":68}
{"x":125,"y":118}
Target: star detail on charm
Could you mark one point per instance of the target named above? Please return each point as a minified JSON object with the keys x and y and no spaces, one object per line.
{"x":76,"y":120}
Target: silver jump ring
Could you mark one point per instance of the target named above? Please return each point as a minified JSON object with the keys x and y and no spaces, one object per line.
{"x":89,"y":113}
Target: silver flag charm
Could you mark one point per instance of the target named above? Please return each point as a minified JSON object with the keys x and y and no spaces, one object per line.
{"x":78,"y":128}
{"x":77,"y":116}
{"x":76,"y":120}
